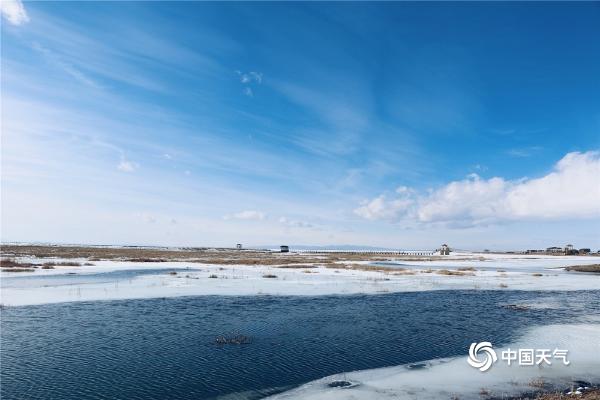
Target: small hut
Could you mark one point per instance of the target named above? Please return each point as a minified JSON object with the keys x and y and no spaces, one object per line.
{"x":284,"y":249}
{"x":444,"y":250}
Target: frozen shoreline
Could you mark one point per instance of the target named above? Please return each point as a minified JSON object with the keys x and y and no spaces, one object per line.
{"x":496,"y":272}
{"x":455,"y":378}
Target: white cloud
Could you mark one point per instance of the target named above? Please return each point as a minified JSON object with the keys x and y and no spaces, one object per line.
{"x":14,"y":11}
{"x":247,"y":215}
{"x":571,"y":190}
{"x":127,"y":166}
{"x":388,"y":209}
{"x":148,"y":218}
{"x":295,"y":223}
{"x":248,"y":79}
{"x":383,"y":208}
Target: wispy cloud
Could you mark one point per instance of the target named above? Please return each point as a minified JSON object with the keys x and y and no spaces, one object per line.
{"x":127,"y":166}
{"x":247,"y":215}
{"x":340,"y":121}
{"x":571,"y":190}
{"x":146,"y":217}
{"x":249,"y":79}
{"x":293,"y":223}
{"x":14,"y":11}
{"x":524,"y":151}
{"x":65,"y":66}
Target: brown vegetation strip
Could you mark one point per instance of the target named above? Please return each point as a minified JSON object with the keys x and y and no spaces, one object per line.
{"x":593,"y":394}
{"x":10,"y":265}
{"x":453,"y":273}
{"x":199,"y":255}
{"x":584,"y":268}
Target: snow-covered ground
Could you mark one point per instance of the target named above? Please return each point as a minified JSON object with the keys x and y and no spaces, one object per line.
{"x":455,"y":378}
{"x":108,"y":280}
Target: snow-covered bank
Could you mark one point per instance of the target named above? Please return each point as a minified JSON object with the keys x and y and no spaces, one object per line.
{"x":455,"y":378}
{"x":87,"y":283}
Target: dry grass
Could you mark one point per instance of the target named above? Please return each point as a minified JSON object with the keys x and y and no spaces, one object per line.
{"x":145,"y":259}
{"x":19,"y":270}
{"x":402,"y":273}
{"x":269,"y":276}
{"x":593,"y":394}
{"x":537,"y":383}
{"x":584,"y":268}
{"x":467,"y":269}
{"x":201,"y":255}
{"x":537,"y":274}
{"x":297,"y":266}
{"x":10,"y":265}
{"x":62,"y":264}
{"x":453,"y":273}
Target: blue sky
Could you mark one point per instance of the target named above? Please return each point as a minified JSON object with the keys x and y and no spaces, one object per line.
{"x":386,"y":124}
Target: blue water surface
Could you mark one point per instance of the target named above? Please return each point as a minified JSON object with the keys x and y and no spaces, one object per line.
{"x":166,"y":348}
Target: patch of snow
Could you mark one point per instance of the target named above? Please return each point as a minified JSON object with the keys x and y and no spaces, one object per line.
{"x":495,"y":272}
{"x":455,"y":378}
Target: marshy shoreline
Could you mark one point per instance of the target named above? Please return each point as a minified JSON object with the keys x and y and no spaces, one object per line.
{"x":30,"y":273}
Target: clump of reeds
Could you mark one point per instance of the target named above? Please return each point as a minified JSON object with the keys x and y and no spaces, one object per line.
{"x":453,"y":273}
{"x":236,"y":339}
{"x":10,"y":265}
{"x":584,"y":268}
{"x":62,"y":264}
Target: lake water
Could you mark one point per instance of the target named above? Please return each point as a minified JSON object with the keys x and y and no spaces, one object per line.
{"x":37,"y":280}
{"x":166,"y":349}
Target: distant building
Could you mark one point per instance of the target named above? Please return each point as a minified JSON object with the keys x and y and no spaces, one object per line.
{"x":570,"y":250}
{"x":585,"y":251}
{"x":554,"y":250}
{"x":444,"y":250}
{"x":534,"y":251}
{"x":238,"y":246}
{"x":284,"y":249}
